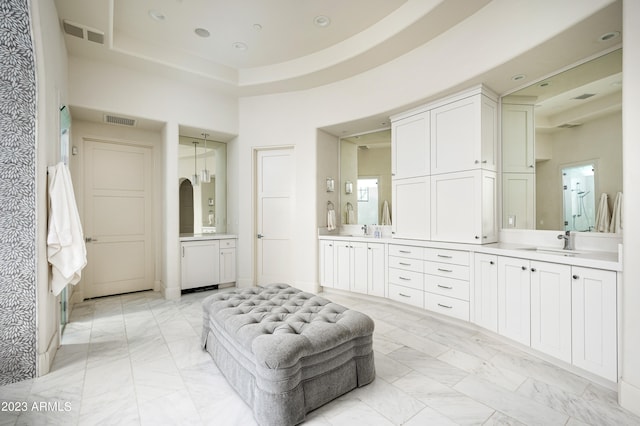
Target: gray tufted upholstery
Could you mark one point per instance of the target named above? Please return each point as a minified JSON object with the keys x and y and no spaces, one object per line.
{"x":287,"y":352}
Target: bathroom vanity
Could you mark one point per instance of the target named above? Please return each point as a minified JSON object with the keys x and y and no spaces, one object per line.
{"x":207,"y":260}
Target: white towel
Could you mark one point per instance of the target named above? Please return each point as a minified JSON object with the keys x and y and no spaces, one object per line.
{"x":331,"y":220}
{"x":616,"y":216}
{"x":351,"y":215}
{"x":66,"y":250}
{"x":603,"y":217}
{"x":386,"y":217}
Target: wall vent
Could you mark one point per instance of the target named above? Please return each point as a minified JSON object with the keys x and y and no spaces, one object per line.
{"x":584,"y":96}
{"x":120,"y":121}
{"x":83,"y":32}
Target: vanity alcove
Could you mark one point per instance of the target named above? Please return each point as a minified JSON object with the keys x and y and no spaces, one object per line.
{"x":208,"y":253}
{"x":477,"y":210}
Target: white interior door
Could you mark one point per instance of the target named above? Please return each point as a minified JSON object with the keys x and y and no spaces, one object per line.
{"x":275,"y":184}
{"x":118,"y":218}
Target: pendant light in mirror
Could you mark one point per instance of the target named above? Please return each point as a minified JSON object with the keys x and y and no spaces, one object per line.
{"x":205,"y":176}
{"x":195,"y":178}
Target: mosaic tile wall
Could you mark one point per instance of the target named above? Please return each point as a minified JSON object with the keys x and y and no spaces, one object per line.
{"x":17,"y":194}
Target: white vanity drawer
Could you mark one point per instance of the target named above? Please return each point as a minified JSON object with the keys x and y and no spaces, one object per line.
{"x":406,"y":251}
{"x":447,"y":305}
{"x":407,"y":295}
{"x":447,"y":287}
{"x":456,"y":257}
{"x":230,"y":243}
{"x":447,"y":270}
{"x":406,"y":278}
{"x":406,"y":263}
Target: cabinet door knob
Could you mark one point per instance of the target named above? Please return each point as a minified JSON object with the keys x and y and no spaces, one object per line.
{"x":260,"y":236}
{"x":524,"y":268}
{"x":477,"y":162}
{"x":533,"y":269}
{"x":491,"y":262}
{"x":476,"y":237}
{"x":575,"y":277}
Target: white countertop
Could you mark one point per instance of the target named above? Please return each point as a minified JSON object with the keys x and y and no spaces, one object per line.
{"x":587,"y":258}
{"x":206,"y":236}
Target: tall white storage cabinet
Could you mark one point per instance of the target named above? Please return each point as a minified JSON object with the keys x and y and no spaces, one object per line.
{"x":444,"y":163}
{"x":594,"y":331}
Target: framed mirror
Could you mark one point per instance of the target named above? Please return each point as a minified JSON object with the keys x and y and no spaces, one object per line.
{"x":205,"y":202}
{"x":365,"y":176}
{"x":571,"y":120}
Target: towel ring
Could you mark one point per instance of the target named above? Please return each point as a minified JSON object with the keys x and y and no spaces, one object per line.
{"x":330,"y":206}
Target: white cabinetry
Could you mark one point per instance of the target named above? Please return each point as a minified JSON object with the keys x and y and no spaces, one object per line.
{"x":227,"y":261}
{"x":464,"y":135}
{"x":464,"y":207}
{"x":200,"y":263}
{"x":411,"y":208}
{"x":327,"y":263}
{"x":484,"y":298}
{"x":208,"y":262}
{"x":406,"y":278}
{"x":551,"y":309}
{"x":359,"y":267}
{"x":410,"y":146}
{"x":519,"y":200}
{"x":514,"y":299}
{"x":518,"y":139}
{"x":447,"y":282}
{"x":594,"y":321}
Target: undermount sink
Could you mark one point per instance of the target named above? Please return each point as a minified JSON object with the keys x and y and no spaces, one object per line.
{"x":551,"y":250}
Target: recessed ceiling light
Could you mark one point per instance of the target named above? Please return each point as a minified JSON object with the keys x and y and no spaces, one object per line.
{"x":202,"y":32}
{"x":156,"y":15}
{"x":518,"y":77}
{"x":238,"y":45}
{"x":257,"y":27}
{"x":609,"y":36}
{"x":322,"y":21}
{"x":544,"y":84}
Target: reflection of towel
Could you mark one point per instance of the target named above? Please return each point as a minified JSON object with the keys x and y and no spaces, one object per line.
{"x":386,"y":217}
{"x":603,"y":217}
{"x":331,"y":220}
{"x":351,"y":215}
{"x":65,"y":242}
{"x":616,"y":216}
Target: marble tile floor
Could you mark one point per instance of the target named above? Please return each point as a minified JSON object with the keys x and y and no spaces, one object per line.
{"x":136,"y":360}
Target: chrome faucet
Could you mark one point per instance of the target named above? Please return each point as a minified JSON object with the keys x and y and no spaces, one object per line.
{"x":365,"y":229}
{"x":568,"y":241}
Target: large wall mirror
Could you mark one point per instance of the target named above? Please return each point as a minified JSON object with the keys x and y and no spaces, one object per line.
{"x":562,"y":149}
{"x":203,"y":205}
{"x":365,"y":177}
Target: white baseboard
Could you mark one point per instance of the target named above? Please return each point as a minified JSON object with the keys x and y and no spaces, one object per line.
{"x":45,"y":359}
{"x":629,"y":397}
{"x":170,"y":293}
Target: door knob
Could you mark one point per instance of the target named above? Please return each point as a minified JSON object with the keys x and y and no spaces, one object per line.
{"x":260,"y":236}
{"x":90,"y":240}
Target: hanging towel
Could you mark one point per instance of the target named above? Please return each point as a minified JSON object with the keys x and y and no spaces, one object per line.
{"x":603,"y":217}
{"x":331,"y":219}
{"x":616,"y":216}
{"x":386,"y":217}
{"x":66,"y":250}
{"x":351,"y":215}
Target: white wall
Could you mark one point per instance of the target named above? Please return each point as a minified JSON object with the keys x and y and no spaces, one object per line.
{"x":51,"y":69}
{"x":630,"y":385}
{"x":327,"y":160}
{"x":292,"y":118}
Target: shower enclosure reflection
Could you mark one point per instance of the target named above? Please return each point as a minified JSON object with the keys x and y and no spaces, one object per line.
{"x":579,"y":205}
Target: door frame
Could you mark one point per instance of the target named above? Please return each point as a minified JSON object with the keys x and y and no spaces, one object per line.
{"x":254,"y":197}
{"x":78,"y":293}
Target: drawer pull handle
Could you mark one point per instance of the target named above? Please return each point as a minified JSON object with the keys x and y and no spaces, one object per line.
{"x":444,"y":256}
{"x":445,"y":306}
{"x":444,"y":270}
{"x":444,"y":286}
{"x":404,"y":295}
{"x":405,"y":264}
{"x":405,"y":251}
{"x":405,"y":279}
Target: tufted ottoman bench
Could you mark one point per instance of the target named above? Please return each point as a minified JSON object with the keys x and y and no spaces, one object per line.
{"x":287,"y":352}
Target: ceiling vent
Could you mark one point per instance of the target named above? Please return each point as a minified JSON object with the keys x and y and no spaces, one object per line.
{"x":120,"y":121}
{"x":569,"y":125}
{"x":83,"y":32}
{"x":584,"y":96}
